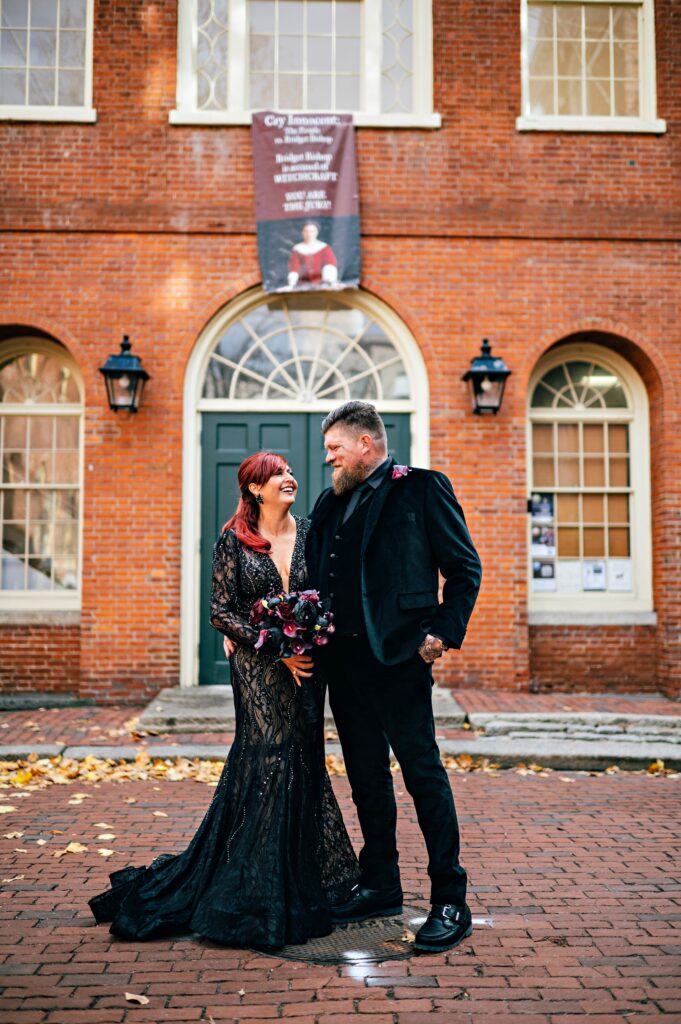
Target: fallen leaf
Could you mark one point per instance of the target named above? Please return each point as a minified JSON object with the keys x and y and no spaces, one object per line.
{"x":132,"y":997}
{"x":564,"y":778}
{"x":71,"y":848}
{"x":241,"y":992}
{"x":407,"y":935}
{"x":20,"y":849}
{"x":7,"y":808}
{"x":106,"y":835}
{"x":160,"y":814}
{"x":103,"y":852}
{"x":101,"y":824}
{"x":13,"y":835}
{"x":40,"y":842}
{"x":14,"y":878}
{"x":129,"y":800}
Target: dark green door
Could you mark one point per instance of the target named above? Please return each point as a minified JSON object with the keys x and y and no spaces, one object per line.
{"x":226,"y":440}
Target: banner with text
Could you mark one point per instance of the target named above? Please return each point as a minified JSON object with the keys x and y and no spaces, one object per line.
{"x":306,"y":201}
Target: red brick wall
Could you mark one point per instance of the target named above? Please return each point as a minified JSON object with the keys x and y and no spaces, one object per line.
{"x":593,"y":658}
{"x":39,"y":658}
{"x":132,"y":225}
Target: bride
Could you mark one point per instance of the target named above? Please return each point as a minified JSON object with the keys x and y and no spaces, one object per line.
{"x":272,"y":851}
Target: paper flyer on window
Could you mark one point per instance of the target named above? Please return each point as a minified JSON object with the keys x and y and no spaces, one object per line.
{"x":306,"y":201}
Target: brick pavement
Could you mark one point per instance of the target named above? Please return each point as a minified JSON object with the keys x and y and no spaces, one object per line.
{"x":575,"y":885}
{"x":503,"y":701}
{"x":100,"y":726}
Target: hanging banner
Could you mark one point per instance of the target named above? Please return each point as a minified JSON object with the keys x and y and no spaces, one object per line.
{"x":306,"y":201}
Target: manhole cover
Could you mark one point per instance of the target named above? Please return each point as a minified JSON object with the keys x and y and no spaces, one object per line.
{"x":382,"y":938}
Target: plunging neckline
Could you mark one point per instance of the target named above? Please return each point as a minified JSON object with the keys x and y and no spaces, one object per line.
{"x":293,"y":551}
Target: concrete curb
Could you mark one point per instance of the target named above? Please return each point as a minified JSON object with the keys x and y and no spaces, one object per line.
{"x":506,"y":752}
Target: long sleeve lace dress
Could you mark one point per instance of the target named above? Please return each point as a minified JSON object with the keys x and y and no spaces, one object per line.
{"x":272,"y":849}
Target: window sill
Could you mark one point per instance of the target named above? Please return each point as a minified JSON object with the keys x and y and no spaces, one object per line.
{"x":36,"y":617}
{"x":76,"y":114}
{"x":591,"y":124}
{"x":360,"y":120}
{"x":575,"y":618}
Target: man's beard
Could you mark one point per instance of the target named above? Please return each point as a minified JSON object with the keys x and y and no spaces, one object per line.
{"x":345,"y":480}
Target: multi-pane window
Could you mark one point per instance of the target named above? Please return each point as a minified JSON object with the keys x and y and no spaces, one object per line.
{"x":589,"y":64}
{"x":45,"y":58}
{"x":582,"y":501}
{"x":372,"y":58}
{"x":40,"y":422}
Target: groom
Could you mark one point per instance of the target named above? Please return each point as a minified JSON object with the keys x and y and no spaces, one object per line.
{"x":377,"y":540}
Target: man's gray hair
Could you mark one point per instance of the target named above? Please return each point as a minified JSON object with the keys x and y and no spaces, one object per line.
{"x":361,"y":418}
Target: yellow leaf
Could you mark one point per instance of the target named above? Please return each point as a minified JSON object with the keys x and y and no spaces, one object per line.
{"x":7,"y":808}
{"x":160,"y":814}
{"x":132,"y":997}
{"x":407,"y":935}
{"x":655,"y":767}
{"x":103,"y":852}
{"x":40,"y":842}
{"x":20,"y":849}
{"x":14,"y":878}
{"x":70,"y":848}
{"x":20,"y":778}
{"x":106,"y":835}
{"x":101,"y":824}
{"x":129,"y":800}
{"x":13,"y":835}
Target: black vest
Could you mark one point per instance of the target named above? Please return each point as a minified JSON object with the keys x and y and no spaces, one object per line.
{"x":344,"y":573}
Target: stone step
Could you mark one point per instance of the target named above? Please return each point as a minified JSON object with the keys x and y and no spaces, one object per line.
{"x":211,"y":709}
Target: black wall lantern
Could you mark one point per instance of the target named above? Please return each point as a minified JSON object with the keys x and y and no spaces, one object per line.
{"x":486,"y":380}
{"x":124,"y":379}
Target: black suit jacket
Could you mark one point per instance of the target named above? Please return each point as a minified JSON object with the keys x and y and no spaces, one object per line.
{"x":414,"y":528}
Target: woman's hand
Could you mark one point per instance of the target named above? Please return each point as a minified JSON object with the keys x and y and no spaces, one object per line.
{"x":300,"y":666}
{"x":229,"y":646}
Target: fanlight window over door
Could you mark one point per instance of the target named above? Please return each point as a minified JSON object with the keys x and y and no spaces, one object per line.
{"x":306,"y":349}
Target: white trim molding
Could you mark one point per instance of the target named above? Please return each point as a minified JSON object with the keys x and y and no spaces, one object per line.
{"x":418,"y":406}
{"x":585,"y":604}
{"x":237,"y":110}
{"x":83,"y":113}
{"x":646,"y":123}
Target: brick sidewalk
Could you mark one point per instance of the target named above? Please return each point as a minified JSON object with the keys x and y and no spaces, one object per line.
{"x":101,"y":726}
{"x":615,"y":703}
{"x":575,"y":882}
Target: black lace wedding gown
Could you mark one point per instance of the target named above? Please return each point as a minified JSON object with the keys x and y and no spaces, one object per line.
{"x":272,"y":849}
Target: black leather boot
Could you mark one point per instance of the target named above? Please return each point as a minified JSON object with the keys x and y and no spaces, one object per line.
{"x":362,"y":903}
{"x":444,"y":928}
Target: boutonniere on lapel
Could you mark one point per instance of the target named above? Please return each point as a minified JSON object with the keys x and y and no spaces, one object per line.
{"x":399,"y":471}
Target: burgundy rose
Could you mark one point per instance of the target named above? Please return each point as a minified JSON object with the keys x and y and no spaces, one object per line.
{"x":399,"y":471}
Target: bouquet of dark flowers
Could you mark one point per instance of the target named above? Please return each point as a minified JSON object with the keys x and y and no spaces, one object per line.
{"x":292,"y":623}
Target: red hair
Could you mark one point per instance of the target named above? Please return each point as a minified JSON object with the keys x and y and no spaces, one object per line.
{"x":256,"y":469}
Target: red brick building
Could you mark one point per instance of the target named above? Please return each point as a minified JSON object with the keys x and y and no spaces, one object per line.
{"x":520,"y":179}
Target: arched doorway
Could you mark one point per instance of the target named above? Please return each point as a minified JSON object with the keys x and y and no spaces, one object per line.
{"x":262,"y":376}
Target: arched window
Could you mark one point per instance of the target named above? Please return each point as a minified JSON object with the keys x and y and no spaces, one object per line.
{"x":589,"y":484}
{"x":307,"y":349}
{"x":40,"y":491}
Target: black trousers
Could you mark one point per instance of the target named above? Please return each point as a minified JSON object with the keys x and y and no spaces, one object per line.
{"x":377,"y":707}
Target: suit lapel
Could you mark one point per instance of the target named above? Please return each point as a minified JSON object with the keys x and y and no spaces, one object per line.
{"x":376,"y":506}
{"x":326,"y":503}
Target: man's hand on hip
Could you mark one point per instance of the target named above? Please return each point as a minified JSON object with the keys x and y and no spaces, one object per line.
{"x":431,"y":648}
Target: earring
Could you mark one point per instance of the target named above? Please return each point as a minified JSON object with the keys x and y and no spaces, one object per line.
{"x":259,"y":499}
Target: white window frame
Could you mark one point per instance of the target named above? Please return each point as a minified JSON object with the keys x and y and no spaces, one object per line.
{"x":186,"y":111}
{"x":647,"y":121}
{"x":85,"y":113}
{"x":22,"y":601}
{"x":596,"y":607}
